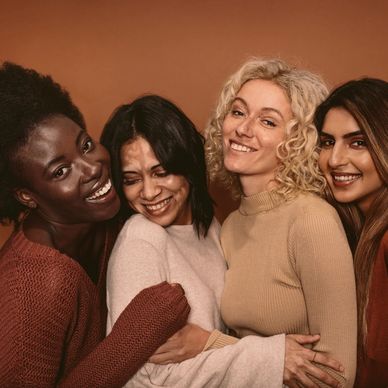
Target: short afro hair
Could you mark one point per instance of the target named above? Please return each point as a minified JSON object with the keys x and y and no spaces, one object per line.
{"x":26,"y":99}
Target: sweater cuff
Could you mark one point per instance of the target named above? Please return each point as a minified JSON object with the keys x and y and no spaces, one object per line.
{"x":218,"y":340}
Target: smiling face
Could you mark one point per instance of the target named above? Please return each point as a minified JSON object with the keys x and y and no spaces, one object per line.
{"x":346,"y":161}
{"x":150,"y":190}
{"x":252,"y":131}
{"x":66,"y":174}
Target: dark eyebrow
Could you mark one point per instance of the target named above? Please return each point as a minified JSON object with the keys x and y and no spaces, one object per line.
{"x":265,"y":109}
{"x":60,"y":157}
{"x":350,"y":134}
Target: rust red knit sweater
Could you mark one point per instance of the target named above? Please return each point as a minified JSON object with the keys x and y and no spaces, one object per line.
{"x":52,"y":321}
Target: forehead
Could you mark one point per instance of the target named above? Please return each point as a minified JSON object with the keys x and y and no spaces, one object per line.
{"x":138,"y":154}
{"x":339,"y":121}
{"x":264,"y":92}
{"x":52,"y":138}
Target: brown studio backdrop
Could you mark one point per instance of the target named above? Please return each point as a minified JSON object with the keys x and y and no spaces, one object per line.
{"x":109,"y":52}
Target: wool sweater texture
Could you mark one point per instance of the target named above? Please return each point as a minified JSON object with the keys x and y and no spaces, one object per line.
{"x":176,"y":254}
{"x":53,"y":320}
{"x":290,"y":271}
{"x":372,"y":370}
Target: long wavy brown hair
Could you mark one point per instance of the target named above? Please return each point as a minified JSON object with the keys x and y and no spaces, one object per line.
{"x":367,"y":101}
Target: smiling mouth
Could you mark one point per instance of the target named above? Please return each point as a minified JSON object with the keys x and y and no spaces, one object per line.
{"x":157,"y":206}
{"x":345,"y":178}
{"x":241,"y":148}
{"x":100,"y":193}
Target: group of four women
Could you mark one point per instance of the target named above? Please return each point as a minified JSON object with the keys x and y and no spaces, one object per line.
{"x":279,"y":273}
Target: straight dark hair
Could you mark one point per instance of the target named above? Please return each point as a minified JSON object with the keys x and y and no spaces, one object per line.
{"x":367,"y":101}
{"x":176,"y":143}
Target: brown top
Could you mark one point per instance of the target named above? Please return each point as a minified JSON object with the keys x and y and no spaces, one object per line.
{"x":53,"y":317}
{"x":373,"y":369}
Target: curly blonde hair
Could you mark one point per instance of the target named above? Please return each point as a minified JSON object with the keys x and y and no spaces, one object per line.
{"x":297,"y":153}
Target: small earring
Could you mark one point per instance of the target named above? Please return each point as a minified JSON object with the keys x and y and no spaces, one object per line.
{"x":32,"y":205}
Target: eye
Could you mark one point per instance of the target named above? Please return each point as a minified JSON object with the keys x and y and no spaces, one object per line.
{"x":268,"y":123}
{"x":130,"y":181}
{"x":60,"y":172}
{"x":161,"y":174}
{"x":326,"y":143}
{"x":359,"y":143}
{"x":236,"y":112}
{"x":87,"y":145}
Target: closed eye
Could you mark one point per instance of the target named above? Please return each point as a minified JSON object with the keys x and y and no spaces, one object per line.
{"x":130,"y":181}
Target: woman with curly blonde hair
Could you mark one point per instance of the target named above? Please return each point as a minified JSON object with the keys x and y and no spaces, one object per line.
{"x":289,"y":264}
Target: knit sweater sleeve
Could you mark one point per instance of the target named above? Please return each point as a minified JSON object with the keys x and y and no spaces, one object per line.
{"x":149,"y":320}
{"x":38,"y":313}
{"x":323,"y":263}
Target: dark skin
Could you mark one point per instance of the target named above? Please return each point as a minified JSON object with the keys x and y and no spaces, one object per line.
{"x":66,"y":186}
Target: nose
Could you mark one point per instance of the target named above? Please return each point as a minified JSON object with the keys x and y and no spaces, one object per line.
{"x":150,"y":189}
{"x":90,"y":169}
{"x":338,"y":156}
{"x":244,"y":128}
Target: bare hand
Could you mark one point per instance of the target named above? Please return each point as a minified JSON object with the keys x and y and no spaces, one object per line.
{"x":184,"y":344}
{"x":299,"y":361}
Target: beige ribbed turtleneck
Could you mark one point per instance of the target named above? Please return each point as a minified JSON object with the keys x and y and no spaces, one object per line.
{"x":290,"y":271}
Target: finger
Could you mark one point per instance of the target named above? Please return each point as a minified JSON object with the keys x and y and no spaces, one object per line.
{"x":328,"y":361}
{"x":177,"y":285}
{"x":161,"y":359}
{"x":305,"y":339}
{"x":167,"y":347}
{"x":322,"y":375}
{"x":303,"y":380}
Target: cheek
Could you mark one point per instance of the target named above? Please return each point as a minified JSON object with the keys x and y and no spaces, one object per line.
{"x":130,"y":194}
{"x":322,"y":160}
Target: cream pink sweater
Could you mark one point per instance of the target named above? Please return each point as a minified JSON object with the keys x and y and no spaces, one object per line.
{"x":146,"y":254}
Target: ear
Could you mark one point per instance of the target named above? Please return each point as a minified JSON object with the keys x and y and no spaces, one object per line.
{"x":25,"y":198}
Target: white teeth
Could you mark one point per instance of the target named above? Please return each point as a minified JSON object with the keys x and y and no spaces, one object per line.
{"x":158,"y":205}
{"x":345,"y":178}
{"x":241,"y":148}
{"x":101,"y":191}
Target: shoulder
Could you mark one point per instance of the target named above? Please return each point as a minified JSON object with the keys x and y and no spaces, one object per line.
{"x":39,"y":275}
{"x":138,"y":227}
{"x":307,"y":204}
{"x":229,"y":221}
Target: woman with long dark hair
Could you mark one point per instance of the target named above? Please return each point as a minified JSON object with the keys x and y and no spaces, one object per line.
{"x":353,"y":127}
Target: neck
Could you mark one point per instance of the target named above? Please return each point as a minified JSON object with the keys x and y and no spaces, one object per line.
{"x":253,"y":184}
{"x":71,"y":239}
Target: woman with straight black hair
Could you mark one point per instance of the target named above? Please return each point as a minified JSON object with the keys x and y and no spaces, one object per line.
{"x":159,"y":171}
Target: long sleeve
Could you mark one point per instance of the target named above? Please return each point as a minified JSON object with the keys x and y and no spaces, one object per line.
{"x":324,"y":266}
{"x":254,"y":361}
{"x":148,"y":321}
{"x":53,"y":324}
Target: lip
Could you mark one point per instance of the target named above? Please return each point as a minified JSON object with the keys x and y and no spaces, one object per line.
{"x":157,"y":207}
{"x":343,"y":179}
{"x":240,"y":147}
{"x":101,"y":193}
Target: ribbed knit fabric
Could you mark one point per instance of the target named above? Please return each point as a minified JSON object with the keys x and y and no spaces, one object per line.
{"x":290,"y":271}
{"x":176,"y":254}
{"x":53,"y":319}
{"x":372,"y":371}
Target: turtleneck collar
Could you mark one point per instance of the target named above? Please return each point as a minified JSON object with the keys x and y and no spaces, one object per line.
{"x":260,"y":203}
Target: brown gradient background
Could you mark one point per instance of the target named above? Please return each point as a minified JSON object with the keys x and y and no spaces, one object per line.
{"x":109,"y":52}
